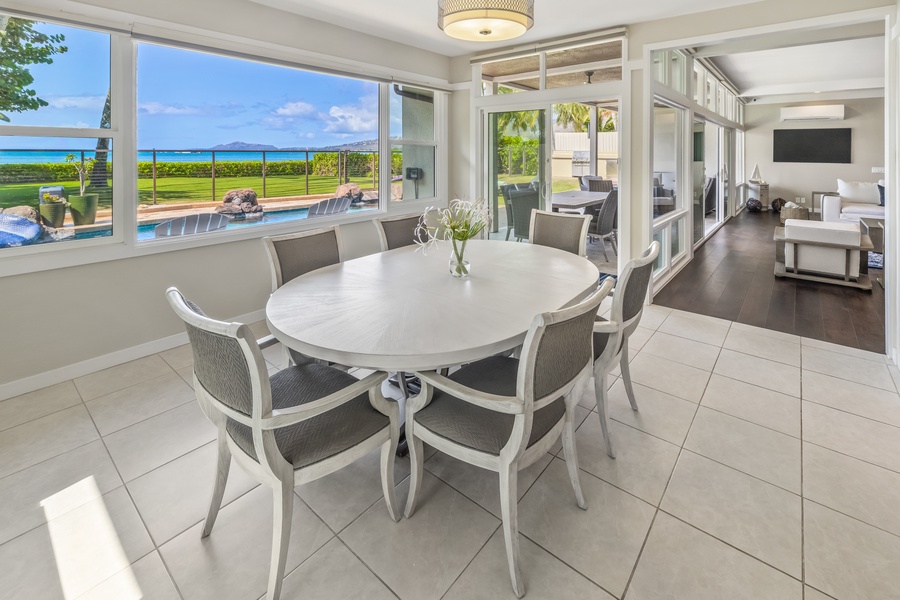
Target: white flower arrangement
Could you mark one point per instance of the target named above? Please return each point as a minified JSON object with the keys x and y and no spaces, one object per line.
{"x":458,"y":223}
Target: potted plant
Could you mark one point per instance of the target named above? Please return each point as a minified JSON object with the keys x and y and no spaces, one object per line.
{"x":83,"y":206}
{"x":460,"y":222}
{"x":53,"y":210}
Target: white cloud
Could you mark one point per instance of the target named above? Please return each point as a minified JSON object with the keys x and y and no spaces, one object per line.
{"x":348,"y":119}
{"x":295,"y":109}
{"x":92,"y":102}
{"x":158,"y":108}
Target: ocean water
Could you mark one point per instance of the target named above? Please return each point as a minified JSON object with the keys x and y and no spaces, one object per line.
{"x":22,"y":157}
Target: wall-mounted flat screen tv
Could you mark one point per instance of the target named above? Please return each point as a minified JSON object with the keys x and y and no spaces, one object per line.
{"x":812,"y":145}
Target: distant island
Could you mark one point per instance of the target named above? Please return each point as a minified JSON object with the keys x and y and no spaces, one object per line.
{"x":364,"y":146}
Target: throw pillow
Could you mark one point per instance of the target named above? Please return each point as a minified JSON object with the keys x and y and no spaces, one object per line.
{"x":858,"y":191}
{"x":881,"y":194}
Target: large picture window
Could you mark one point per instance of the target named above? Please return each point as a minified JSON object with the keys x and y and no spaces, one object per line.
{"x":254,"y":142}
{"x":56,"y":167}
{"x":109,"y":143}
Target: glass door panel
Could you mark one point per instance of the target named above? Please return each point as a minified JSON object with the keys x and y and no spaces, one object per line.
{"x":516,"y":162}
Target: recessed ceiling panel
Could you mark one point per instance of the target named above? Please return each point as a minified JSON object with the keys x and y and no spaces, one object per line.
{"x":414,"y":22}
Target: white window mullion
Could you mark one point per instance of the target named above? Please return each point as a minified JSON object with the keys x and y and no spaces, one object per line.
{"x":123,"y":109}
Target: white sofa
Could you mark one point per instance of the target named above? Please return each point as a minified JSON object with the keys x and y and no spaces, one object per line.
{"x":821,"y":259}
{"x":855,"y":199}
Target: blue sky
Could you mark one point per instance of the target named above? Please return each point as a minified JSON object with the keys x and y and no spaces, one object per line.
{"x":193,"y":100}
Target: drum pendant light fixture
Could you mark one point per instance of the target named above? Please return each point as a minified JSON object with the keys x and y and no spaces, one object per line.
{"x":485,"y":20}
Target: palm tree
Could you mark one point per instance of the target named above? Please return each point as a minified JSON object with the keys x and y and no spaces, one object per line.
{"x":579,"y":117}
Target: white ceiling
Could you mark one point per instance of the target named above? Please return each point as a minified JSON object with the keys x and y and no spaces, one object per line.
{"x":414,"y":22}
{"x":838,"y":66}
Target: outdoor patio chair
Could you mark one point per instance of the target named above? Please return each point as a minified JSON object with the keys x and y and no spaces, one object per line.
{"x":584,"y":182}
{"x":611,"y":337}
{"x":604,"y":227}
{"x":191,"y":224}
{"x":523,"y":202}
{"x":510,"y":218}
{"x":600,"y":185}
{"x":503,"y":414}
{"x":297,"y":426}
{"x":564,"y":231}
{"x":293,"y":254}
{"x":331,"y":206}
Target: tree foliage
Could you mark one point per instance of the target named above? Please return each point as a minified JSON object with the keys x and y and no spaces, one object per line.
{"x":579,"y":117}
{"x":22,"y":45}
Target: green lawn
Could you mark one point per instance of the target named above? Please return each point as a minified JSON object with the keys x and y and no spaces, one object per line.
{"x":179,"y":190}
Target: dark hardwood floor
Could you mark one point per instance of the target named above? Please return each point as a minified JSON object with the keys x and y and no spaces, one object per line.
{"x":731,"y":277}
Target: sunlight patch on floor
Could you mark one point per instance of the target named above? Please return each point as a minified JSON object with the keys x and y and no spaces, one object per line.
{"x":85,"y":543}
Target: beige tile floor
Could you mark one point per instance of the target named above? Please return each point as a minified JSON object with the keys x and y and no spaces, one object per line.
{"x":760,"y":466}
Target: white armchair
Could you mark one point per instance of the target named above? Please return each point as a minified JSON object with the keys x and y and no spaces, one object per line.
{"x":854,"y":200}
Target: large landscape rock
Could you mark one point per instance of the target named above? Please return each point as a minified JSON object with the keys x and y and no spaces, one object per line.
{"x":240,"y":204}
{"x":26,"y":212}
{"x":348,"y":190}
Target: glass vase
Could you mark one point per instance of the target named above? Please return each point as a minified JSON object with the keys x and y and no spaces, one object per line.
{"x":459,"y":266}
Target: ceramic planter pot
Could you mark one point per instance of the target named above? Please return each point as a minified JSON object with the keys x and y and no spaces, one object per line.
{"x":83,"y":209}
{"x":53,"y":214}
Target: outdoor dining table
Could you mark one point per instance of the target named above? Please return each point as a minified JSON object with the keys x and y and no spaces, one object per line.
{"x":576,"y":199}
{"x":402,"y":310}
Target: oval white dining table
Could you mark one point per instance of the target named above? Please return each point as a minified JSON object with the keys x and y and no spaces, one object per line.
{"x":402,"y":310}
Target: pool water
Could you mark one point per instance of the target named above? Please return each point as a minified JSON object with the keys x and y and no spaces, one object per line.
{"x":146,"y":232}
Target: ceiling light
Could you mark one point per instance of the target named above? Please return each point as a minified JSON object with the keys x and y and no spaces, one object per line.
{"x":589,"y":75}
{"x":485,"y":20}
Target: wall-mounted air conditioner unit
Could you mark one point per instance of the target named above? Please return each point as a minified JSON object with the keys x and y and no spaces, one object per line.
{"x":830,"y":112}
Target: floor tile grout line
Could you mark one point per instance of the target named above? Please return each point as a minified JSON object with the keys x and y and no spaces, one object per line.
{"x":338,"y":537}
{"x":732,"y":546}
{"x":663,"y":496}
{"x":718,"y":462}
{"x":127,"y":386}
{"x":720,"y":411}
{"x":849,"y":516}
{"x":471,"y":560}
{"x":134,"y":505}
{"x":570,"y":566}
{"x":848,"y":412}
{"x":868,"y":462}
{"x":802,"y":495}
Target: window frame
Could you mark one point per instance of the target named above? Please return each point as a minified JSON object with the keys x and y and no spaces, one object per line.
{"x":123,"y":243}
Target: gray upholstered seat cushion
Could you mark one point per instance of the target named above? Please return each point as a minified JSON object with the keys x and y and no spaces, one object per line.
{"x":323,"y":436}
{"x":479,"y":428}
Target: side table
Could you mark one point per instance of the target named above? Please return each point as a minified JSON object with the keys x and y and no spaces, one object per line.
{"x":874,"y":228}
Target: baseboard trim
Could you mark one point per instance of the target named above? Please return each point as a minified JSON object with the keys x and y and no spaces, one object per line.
{"x":98,"y":363}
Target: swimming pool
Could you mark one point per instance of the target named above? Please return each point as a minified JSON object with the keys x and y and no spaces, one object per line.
{"x":146,"y":232}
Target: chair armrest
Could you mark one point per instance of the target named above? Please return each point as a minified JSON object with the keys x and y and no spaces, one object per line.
{"x":265,"y":342}
{"x":606,"y":327}
{"x":504,"y":404}
{"x":296,"y":414}
{"x":831,"y":208}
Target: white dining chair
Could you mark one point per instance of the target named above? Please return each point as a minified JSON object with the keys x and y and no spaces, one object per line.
{"x":300,"y":424}
{"x":611,"y":336}
{"x":560,"y":230}
{"x":294,"y":254}
{"x":504,"y":414}
{"x":397,"y":232}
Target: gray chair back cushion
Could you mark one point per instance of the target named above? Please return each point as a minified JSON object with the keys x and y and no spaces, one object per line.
{"x":562,"y":232}
{"x":401,"y":232}
{"x":221,"y":367}
{"x":523,"y":202}
{"x":563,"y":351}
{"x":635,"y":291}
{"x":301,"y":255}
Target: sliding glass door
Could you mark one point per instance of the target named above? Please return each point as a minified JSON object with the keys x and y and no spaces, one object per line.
{"x":517,"y":156}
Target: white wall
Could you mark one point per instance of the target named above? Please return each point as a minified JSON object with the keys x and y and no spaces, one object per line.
{"x":865,"y":117}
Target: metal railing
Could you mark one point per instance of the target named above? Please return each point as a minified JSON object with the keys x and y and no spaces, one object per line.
{"x":345,"y":166}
